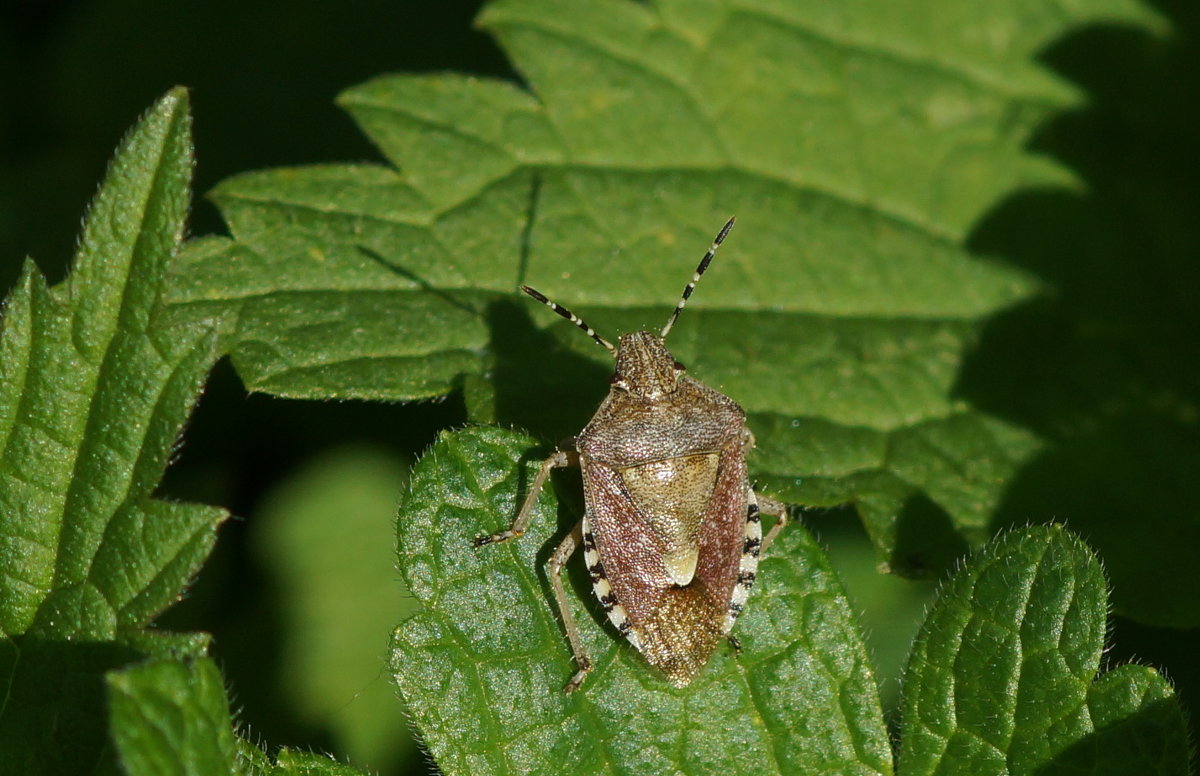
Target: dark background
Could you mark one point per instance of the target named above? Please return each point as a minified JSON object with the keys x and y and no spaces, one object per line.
{"x":262,"y":76}
{"x":74,"y":76}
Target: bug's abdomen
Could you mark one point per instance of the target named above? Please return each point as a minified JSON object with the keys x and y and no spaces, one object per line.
{"x":603,"y":588}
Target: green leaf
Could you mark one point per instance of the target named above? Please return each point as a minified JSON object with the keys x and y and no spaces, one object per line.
{"x":858,"y":148}
{"x":94,"y":391}
{"x":482,"y":666}
{"x":53,"y":715}
{"x":172,"y":718}
{"x":1003,"y":676}
{"x":292,"y":762}
{"x":93,"y":397}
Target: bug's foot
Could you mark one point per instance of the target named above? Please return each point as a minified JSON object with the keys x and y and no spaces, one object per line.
{"x":585,"y":666}
{"x":733,"y":642}
{"x":496,"y":538}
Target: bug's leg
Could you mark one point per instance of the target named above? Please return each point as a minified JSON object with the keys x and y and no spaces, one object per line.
{"x":769,"y":506}
{"x":761,"y":505}
{"x":558,"y":560}
{"x":559,"y":459}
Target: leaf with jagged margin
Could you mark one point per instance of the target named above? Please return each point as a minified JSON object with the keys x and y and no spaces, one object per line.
{"x":1003,"y":677}
{"x":858,"y":145}
{"x":482,"y":666}
{"x":92,"y":402}
{"x":93,"y":394}
{"x":172,"y":718}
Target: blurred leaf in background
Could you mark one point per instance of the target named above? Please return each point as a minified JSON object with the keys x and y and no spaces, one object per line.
{"x":327,"y":536}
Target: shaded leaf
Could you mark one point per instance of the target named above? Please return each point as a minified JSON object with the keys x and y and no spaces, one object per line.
{"x":858,"y":148}
{"x":53,"y":718}
{"x":1103,"y":368}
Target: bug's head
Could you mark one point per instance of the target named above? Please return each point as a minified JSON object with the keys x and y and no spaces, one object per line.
{"x":645,"y":368}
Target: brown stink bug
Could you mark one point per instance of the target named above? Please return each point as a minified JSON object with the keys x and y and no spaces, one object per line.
{"x":670,"y":532}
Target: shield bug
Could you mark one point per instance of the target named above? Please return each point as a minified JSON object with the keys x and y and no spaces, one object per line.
{"x":670,"y":532}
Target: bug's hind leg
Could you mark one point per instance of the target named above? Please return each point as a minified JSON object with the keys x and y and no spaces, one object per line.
{"x":769,"y":506}
{"x":554,"y":568}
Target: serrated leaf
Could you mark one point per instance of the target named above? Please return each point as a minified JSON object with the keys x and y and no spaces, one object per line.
{"x":483,"y":665}
{"x":172,"y":718}
{"x":292,"y":762}
{"x":93,"y":395}
{"x":93,"y":398}
{"x":857,"y":146}
{"x":1003,"y":676}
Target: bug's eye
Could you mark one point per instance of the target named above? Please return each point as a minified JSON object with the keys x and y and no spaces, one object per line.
{"x":680,"y":367}
{"x":619,"y":382}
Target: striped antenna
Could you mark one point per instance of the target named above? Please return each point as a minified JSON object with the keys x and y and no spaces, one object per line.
{"x":700,"y":268}
{"x":570,"y":316}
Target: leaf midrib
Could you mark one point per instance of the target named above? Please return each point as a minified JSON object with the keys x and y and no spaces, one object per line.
{"x":141,"y":255}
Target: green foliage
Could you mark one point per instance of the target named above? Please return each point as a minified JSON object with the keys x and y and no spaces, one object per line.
{"x":482,"y":666}
{"x":172,"y":718}
{"x":94,"y":393}
{"x":1003,"y":677}
{"x":96,"y":388}
{"x":858,"y":150}
{"x":92,"y":399}
{"x":878,"y":157}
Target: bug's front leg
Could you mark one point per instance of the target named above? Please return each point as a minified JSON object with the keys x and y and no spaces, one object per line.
{"x":554,"y":568}
{"x":521,"y":522}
